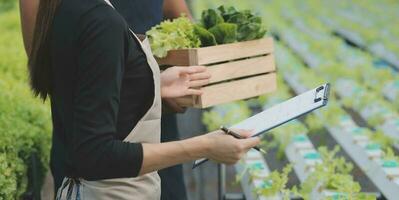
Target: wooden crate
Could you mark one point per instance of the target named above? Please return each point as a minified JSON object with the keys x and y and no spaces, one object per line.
{"x":239,"y":71}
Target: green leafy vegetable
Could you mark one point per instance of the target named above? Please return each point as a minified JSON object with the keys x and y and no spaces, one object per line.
{"x":217,"y":26}
{"x":333,"y":174}
{"x":169,"y":35}
{"x":224,"y":33}
{"x":25,"y":122}
{"x":211,"y":18}
{"x":250,"y":31}
{"x":227,"y":13}
{"x":249,"y":26}
{"x":278,"y":183}
{"x":206,"y":37}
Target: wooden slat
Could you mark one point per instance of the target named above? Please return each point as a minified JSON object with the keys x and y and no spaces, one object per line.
{"x":187,"y":101}
{"x":233,"y":51}
{"x":218,"y":53}
{"x":179,"y":57}
{"x":236,"y":90}
{"x":242,"y":68}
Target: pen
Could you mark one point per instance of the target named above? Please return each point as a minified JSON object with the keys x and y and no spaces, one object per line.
{"x":238,"y":136}
{"x":235,"y":135}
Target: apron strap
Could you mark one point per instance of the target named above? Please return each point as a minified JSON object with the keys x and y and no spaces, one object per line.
{"x":70,"y":184}
{"x":109,"y":3}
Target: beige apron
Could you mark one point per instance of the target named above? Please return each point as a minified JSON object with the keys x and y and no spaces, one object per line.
{"x":147,"y":130}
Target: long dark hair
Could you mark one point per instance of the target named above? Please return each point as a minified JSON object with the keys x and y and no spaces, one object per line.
{"x":39,"y":62}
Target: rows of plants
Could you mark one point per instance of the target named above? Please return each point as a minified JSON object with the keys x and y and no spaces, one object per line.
{"x":342,"y":63}
{"x":25,"y":124}
{"x":370,"y":150}
{"x":308,"y":36}
{"x":320,"y":171}
{"x":375,"y":34}
{"x":376,"y":73}
{"x":372,"y":107}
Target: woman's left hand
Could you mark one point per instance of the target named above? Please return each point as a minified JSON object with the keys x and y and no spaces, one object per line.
{"x":183,"y":81}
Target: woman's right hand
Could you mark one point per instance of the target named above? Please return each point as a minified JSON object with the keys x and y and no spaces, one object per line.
{"x":216,"y":146}
{"x":226,"y":149}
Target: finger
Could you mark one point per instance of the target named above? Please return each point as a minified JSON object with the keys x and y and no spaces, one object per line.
{"x":191,"y":69}
{"x":250,"y":142}
{"x":194,"y":92}
{"x":198,"y":83}
{"x":198,"y":69}
{"x":200,"y":76}
{"x":244,"y":133}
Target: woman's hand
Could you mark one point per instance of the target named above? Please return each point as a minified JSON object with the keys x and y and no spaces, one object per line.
{"x":227,"y":149}
{"x":216,"y":146}
{"x":183,"y":81}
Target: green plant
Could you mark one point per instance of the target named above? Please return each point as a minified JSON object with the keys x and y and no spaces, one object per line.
{"x":314,"y":123}
{"x":6,"y":4}
{"x":25,"y":123}
{"x":226,"y":115}
{"x":213,"y":29}
{"x":224,"y":32}
{"x":283,"y":135}
{"x":381,"y":139}
{"x":206,"y":37}
{"x":24,"y":131}
{"x":333,"y":174}
{"x":333,"y":113}
{"x":277,"y":184}
{"x":389,"y":154}
{"x":175,"y":34}
{"x":12,"y":56}
{"x":210,"y":18}
{"x":249,"y":25}
{"x":229,"y":24}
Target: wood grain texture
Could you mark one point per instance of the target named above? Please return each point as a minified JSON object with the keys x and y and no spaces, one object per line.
{"x":179,"y":57}
{"x":218,"y":53}
{"x":233,"y":51}
{"x":187,"y":101}
{"x":242,"y":68}
{"x":232,"y":91}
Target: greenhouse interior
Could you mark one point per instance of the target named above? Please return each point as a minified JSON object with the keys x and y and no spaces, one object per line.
{"x":260,"y":54}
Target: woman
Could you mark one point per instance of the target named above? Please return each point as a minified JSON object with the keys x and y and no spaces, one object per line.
{"x":141,"y":19}
{"x":105,"y":89}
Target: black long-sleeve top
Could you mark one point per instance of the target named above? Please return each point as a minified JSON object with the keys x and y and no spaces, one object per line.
{"x":101,"y":87}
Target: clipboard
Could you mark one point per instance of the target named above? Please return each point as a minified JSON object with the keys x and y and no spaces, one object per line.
{"x":282,"y":113}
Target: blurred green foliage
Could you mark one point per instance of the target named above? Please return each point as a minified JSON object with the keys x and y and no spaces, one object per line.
{"x":6,"y":4}
{"x":25,"y":123}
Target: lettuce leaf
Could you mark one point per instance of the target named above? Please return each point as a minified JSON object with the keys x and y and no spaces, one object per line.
{"x":169,"y":35}
{"x":211,"y":18}
{"x":224,"y":33}
{"x":206,"y":37}
{"x":249,"y":25}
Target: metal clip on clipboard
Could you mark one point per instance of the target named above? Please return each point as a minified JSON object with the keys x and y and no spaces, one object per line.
{"x":318,"y":96}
